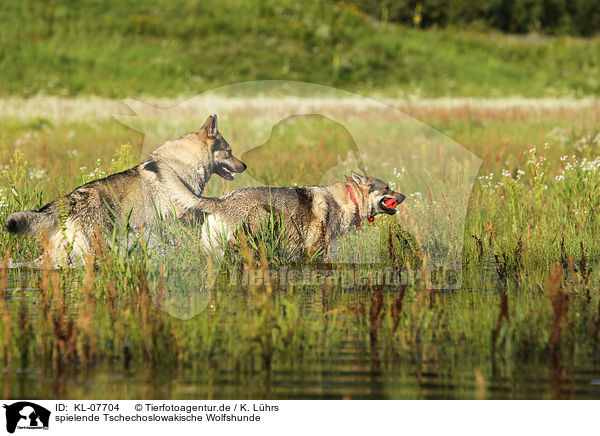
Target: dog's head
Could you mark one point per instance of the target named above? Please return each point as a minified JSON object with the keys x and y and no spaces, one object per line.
{"x":381,"y":198}
{"x":223,"y":162}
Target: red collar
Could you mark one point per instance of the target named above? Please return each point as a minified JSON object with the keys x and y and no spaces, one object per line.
{"x":356,"y":209}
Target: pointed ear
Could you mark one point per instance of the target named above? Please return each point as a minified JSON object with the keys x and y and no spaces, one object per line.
{"x":210,"y":126}
{"x":361,"y":180}
{"x":214,"y":127}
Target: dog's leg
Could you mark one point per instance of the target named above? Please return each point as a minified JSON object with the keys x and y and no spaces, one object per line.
{"x":215,"y":235}
{"x":181,"y":195}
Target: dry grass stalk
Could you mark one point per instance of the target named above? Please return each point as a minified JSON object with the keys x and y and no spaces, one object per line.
{"x":585,"y":271}
{"x":4,"y":310}
{"x":503,"y":316}
{"x":376,"y":310}
{"x":479,"y":244}
{"x":396,"y":308}
{"x":558,"y":301}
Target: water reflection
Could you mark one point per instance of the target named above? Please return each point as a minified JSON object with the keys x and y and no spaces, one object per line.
{"x":352,"y":370}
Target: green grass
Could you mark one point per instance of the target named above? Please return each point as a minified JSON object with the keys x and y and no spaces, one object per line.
{"x":172,"y":48}
{"x":528,"y":304}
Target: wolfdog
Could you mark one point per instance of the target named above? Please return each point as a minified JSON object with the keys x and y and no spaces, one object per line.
{"x":310,"y":215}
{"x":135,"y":197}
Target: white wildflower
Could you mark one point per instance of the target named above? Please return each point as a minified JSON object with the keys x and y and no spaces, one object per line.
{"x":37,"y":173}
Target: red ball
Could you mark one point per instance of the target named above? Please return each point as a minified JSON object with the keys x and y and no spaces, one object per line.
{"x":391,"y":203}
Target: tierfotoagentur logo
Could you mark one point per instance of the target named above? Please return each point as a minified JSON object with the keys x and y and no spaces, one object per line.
{"x":406,"y":226}
{"x":25,"y":415}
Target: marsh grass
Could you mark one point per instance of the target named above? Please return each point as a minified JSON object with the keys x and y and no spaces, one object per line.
{"x":529,"y":296}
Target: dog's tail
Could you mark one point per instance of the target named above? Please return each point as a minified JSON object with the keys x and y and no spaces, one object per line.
{"x":29,"y":221}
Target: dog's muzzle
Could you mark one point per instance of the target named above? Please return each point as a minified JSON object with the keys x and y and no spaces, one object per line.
{"x":389,"y":204}
{"x":227,"y":169}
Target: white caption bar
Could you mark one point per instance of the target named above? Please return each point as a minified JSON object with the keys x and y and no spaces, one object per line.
{"x":23,"y":417}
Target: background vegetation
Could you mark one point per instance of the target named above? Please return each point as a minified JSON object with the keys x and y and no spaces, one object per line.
{"x":551,"y":17}
{"x":168,"y":48}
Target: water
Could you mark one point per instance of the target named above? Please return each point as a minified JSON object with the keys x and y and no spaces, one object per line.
{"x":353,"y":376}
{"x":351,"y":371}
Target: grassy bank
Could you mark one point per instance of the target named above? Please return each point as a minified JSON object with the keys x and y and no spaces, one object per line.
{"x":184,"y":47}
{"x":528,"y":304}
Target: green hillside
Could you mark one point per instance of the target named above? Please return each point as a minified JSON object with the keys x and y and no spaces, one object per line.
{"x":168,"y":48}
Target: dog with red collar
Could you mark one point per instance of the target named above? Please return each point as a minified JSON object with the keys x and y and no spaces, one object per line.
{"x":309,"y":215}
{"x":385,"y":203}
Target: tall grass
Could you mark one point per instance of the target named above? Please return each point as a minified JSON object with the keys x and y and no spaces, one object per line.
{"x":528,"y":299}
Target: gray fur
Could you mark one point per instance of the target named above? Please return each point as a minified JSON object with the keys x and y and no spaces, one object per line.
{"x":178,"y":168}
{"x":21,"y":223}
{"x":309,"y":213}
